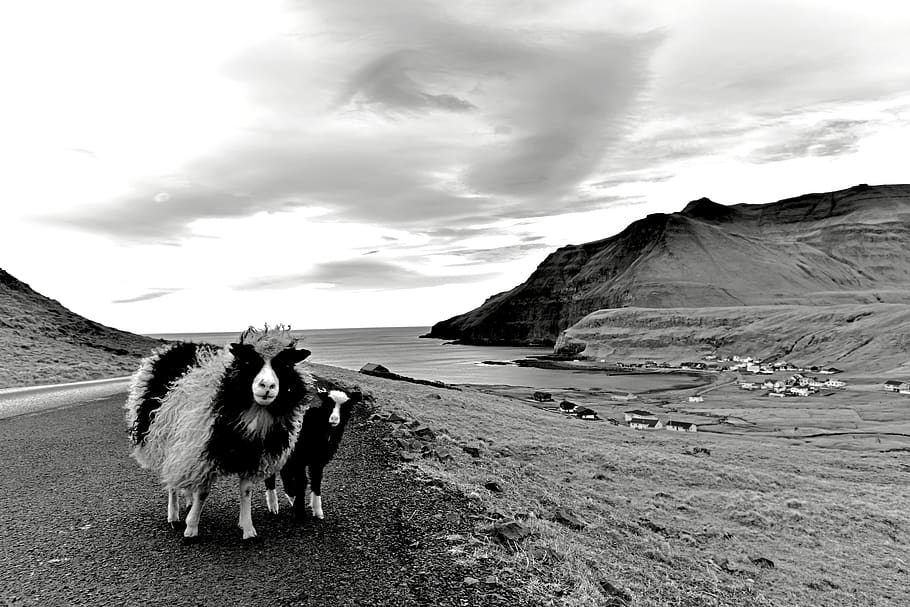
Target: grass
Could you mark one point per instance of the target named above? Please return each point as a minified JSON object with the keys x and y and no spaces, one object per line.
{"x":665,"y":527}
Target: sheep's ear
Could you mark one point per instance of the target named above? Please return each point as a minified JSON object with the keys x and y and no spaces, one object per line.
{"x":299,"y":355}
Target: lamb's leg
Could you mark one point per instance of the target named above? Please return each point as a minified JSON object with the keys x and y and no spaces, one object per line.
{"x":246,"y":501}
{"x":173,"y":508}
{"x":271,"y":496}
{"x":290,"y":482}
{"x":316,"y":490}
{"x":192,"y":518}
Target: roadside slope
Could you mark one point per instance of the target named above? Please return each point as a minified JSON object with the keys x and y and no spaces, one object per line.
{"x":43,"y":342}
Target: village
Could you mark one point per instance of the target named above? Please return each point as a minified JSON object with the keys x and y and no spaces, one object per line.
{"x":800,"y":383}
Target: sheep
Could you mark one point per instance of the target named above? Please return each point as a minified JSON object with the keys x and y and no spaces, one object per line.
{"x":323,"y":427}
{"x":197,"y":413}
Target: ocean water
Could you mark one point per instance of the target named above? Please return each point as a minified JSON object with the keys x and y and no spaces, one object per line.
{"x":402,"y":351}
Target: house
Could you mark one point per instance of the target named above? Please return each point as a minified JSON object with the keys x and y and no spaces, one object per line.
{"x":638,"y":413}
{"x":642,"y":423}
{"x":696,"y":399}
{"x":893,"y":385}
{"x":681,"y":426}
{"x":835,"y":383}
{"x":568,"y":407}
{"x":585,"y":413}
{"x":748,"y":385}
{"x":650,"y":364}
{"x":799,"y":390}
{"x":543,"y":397}
{"x":753,"y":368}
{"x":777,"y":394}
{"x":815,"y":383}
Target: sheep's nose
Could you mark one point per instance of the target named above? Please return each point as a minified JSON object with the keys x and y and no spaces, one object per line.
{"x":267,"y":385}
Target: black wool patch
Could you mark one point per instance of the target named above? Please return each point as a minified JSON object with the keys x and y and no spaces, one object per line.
{"x":230,"y":447}
{"x":170,"y":366}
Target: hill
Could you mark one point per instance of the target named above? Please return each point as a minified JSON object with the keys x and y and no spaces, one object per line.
{"x":844,"y":247}
{"x":861,"y":337}
{"x":42,"y":342}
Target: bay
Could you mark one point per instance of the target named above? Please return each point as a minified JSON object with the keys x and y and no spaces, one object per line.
{"x":403,"y":351}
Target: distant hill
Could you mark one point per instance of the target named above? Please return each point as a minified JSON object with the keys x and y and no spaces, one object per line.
{"x":846,"y":247}
{"x":42,"y":342}
{"x":871,"y":338}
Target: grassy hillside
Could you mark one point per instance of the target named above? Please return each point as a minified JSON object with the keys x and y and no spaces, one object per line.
{"x":42,"y":342}
{"x":670,"y":519}
{"x":871,"y":337}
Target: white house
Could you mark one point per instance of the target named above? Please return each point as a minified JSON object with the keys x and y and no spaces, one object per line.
{"x":696,"y":399}
{"x":681,"y":426}
{"x":748,"y":385}
{"x":799,"y":390}
{"x":640,"y":414}
{"x":835,"y":383}
{"x":641,"y":423}
{"x":892,"y":385}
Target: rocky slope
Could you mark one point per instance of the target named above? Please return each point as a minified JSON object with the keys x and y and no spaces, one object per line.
{"x":849,"y":246}
{"x":859,"y":337}
{"x":43,"y":342}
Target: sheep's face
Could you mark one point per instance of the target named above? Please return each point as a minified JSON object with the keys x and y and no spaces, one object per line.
{"x":266,"y":370}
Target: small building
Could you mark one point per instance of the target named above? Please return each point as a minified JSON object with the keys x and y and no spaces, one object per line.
{"x":753,"y":368}
{"x":799,"y":390}
{"x":696,"y":399}
{"x":681,"y":426}
{"x":568,"y":407}
{"x":639,"y":413}
{"x":543,"y":397}
{"x":835,"y":383}
{"x":777,"y":394}
{"x":748,"y":385}
{"x":892,"y":385}
{"x":642,"y":423}
{"x":585,"y":413}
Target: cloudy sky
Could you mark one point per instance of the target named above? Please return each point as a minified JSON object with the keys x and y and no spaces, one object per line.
{"x":206,"y":165}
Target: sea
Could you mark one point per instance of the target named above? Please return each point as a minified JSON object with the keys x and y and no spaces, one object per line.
{"x":403,"y":351}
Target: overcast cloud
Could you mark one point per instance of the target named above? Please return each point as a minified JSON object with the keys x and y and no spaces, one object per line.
{"x":226,"y":149}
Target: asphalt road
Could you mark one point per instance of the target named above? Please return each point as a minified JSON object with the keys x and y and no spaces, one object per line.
{"x":82,"y":524}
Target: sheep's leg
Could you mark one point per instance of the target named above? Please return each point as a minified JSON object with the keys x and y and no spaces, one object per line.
{"x":173,"y":508}
{"x":192,"y":517}
{"x":271,"y":496}
{"x":246,"y":500}
{"x":316,"y":490}
{"x":289,"y":481}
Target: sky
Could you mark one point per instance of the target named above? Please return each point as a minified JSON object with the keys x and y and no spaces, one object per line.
{"x":206,"y":165}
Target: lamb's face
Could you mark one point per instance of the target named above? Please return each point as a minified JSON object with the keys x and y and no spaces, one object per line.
{"x":266,"y":370}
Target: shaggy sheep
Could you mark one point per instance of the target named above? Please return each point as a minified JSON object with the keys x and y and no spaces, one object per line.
{"x":323,"y":426}
{"x":197,"y":413}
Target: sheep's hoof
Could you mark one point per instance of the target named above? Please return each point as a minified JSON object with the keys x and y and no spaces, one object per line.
{"x":177,"y":525}
{"x":249,"y":534}
{"x":190,"y":539}
{"x":253,"y":539}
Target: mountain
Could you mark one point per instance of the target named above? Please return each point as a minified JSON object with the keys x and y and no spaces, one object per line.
{"x":846,"y":247}
{"x":42,"y":342}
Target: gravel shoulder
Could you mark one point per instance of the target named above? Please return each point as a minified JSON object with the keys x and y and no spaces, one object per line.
{"x":84,"y":525}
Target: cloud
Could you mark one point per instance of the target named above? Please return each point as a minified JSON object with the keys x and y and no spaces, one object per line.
{"x":498,"y":254}
{"x":403,"y":114}
{"x":153,"y":294}
{"x":358,"y":275}
{"x":827,"y":138}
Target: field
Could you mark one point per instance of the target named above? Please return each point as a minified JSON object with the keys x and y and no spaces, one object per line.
{"x":749,"y":515}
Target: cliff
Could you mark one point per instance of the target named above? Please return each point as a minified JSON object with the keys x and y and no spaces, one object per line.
{"x":846,"y":247}
{"x":43,"y":342}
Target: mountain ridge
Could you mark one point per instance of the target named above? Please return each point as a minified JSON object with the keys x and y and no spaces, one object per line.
{"x":847,"y":246}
